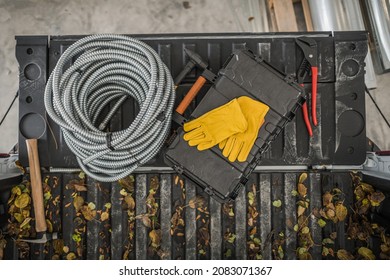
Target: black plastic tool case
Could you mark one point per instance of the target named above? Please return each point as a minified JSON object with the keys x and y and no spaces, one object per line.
{"x":340,"y":138}
{"x":244,"y":74}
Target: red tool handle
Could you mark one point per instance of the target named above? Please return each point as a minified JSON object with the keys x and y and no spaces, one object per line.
{"x":314,"y":74}
{"x":191,"y":95}
{"x":306,"y":117}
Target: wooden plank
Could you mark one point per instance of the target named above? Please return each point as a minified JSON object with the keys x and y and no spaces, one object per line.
{"x":285,"y":15}
{"x":306,"y":12}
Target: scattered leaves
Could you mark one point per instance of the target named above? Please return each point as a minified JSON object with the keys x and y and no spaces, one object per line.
{"x":294,"y":193}
{"x":76,"y":237}
{"x":251,"y":198}
{"x":129,"y":202}
{"x":302,"y":190}
{"x":3,"y":243}
{"x":197,"y":202}
{"x":71,"y":256}
{"x":376,"y":198}
{"x":302,"y":178}
{"x":341,"y":212}
{"x":277,"y":203}
{"x":155,"y":238}
{"x":65,"y":249}
{"x":78,"y":202}
{"x":80,"y":188}
{"x":228,"y":253}
{"x":146,"y":221}
{"x":92,"y":206}
{"x":22,"y":200}
{"x":327,"y":198}
{"x":104,"y":216}
{"x":366,"y":253}
{"x":305,"y":230}
{"x":344,"y":255}
{"x":321,"y":223}
{"x":301,"y":210}
{"x":88,"y":213}
{"x":327,"y":241}
{"x":230,"y":237}
{"x":127,"y":183}
{"x":25,"y":222}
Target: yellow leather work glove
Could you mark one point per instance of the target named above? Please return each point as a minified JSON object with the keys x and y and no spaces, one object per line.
{"x":239,"y":145}
{"x":215,"y":126}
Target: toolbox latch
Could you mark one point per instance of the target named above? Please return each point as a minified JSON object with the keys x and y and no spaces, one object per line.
{"x":209,"y":191}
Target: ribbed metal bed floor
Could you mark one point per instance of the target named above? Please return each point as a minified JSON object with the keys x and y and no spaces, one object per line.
{"x":215,"y":232}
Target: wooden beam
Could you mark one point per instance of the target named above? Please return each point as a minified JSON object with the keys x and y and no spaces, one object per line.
{"x":285,"y":15}
{"x":306,"y":12}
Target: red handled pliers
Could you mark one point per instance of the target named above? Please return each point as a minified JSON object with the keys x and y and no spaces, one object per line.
{"x":309,"y":63}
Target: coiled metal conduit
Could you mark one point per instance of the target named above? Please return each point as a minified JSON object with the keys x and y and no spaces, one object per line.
{"x":109,"y":69}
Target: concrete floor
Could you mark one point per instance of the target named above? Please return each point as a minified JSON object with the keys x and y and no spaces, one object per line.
{"x":59,"y":17}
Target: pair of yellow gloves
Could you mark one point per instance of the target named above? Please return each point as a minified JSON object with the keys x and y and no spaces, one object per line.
{"x":234,"y":126}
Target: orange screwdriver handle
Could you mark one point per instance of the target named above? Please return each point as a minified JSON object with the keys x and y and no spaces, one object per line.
{"x":190,"y":95}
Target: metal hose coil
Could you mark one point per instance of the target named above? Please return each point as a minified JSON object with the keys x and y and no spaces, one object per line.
{"x":110,"y":69}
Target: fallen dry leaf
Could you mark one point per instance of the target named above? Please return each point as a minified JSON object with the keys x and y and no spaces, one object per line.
{"x":78,"y":202}
{"x":80,"y":188}
{"x":344,"y":255}
{"x":205,"y":235}
{"x":146,"y":221}
{"x":330,"y":214}
{"x":92,"y":206}
{"x":321,"y":223}
{"x":305,"y":230}
{"x":65,"y":249}
{"x":366,"y":253}
{"x":176,"y":180}
{"x":197,"y":202}
{"x":71,"y":256}
{"x":104,"y":216}
{"x":3,"y":243}
{"x":127,"y":183}
{"x":130,"y":203}
{"x":367,"y":188}
{"x":22,"y":201}
{"x":302,"y":190}
{"x":301,"y":210}
{"x":327,"y":198}
{"x":155,"y":238}
{"x":251,"y":198}
{"x":376,"y":198}
{"x":341,"y":212}
{"x":302,"y":178}
{"x":19,"y":217}
{"x":26,"y":223}
{"x":88,"y":213}
{"x":277,"y":203}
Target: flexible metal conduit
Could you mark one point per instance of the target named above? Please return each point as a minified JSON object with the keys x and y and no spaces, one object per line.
{"x":108,"y":69}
